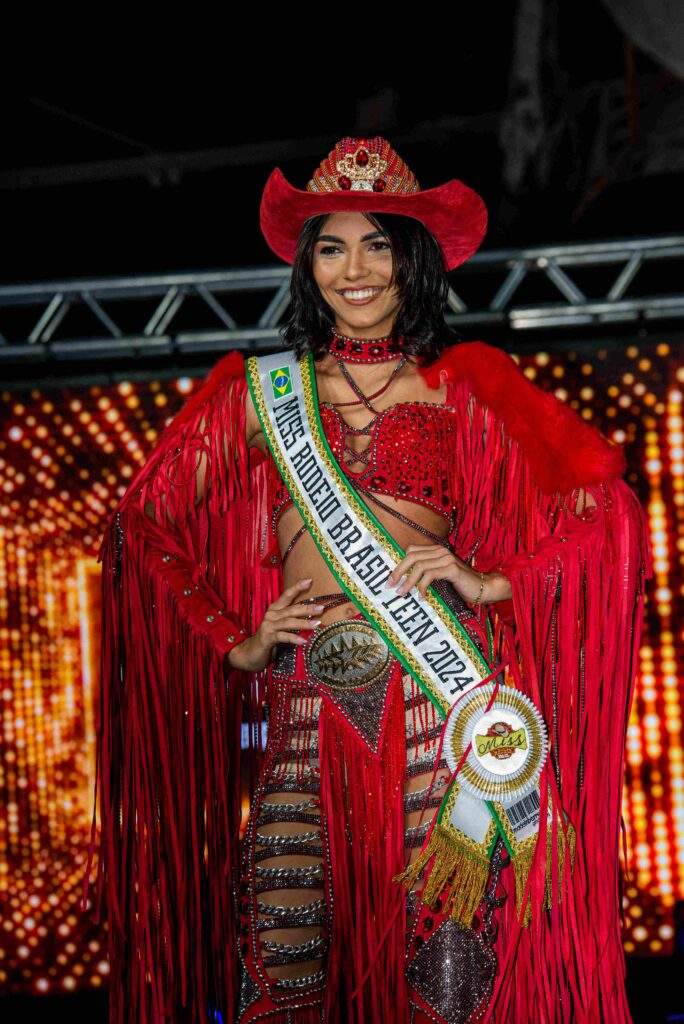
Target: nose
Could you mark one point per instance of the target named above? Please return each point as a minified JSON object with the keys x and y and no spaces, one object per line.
{"x":355,"y":265}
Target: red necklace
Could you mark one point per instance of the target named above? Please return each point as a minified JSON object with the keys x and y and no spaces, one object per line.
{"x":347,"y":349}
{"x":364,"y":350}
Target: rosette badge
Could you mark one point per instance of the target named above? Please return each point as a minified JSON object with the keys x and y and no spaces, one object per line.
{"x":508,"y":744}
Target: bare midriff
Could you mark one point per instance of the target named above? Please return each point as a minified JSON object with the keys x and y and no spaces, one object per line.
{"x":306,"y":561}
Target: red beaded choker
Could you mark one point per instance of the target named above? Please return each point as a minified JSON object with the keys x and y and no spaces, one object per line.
{"x":364,"y":350}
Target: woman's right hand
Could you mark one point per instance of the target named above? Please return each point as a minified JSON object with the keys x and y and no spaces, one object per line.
{"x":283,"y":615}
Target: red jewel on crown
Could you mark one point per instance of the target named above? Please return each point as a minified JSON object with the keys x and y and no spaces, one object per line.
{"x":364,"y":350}
{"x":359,"y":168}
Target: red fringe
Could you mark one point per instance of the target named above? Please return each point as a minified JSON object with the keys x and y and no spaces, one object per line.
{"x":362,"y":800}
{"x":574,"y":624}
{"x":169,"y":733}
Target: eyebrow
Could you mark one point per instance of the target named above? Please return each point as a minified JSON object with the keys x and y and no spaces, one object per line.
{"x":365,"y":238}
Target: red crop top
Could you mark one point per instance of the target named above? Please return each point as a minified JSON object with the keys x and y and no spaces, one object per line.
{"x":408,"y":454}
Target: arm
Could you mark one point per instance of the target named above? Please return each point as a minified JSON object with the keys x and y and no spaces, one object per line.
{"x":191,"y":483}
{"x":197,"y":603}
{"x":497,"y":588}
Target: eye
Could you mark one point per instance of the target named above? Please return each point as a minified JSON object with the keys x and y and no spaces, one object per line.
{"x":328,"y":250}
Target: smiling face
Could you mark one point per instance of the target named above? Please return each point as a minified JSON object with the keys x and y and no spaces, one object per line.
{"x":352,"y":265}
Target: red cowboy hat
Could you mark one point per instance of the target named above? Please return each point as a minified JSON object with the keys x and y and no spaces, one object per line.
{"x":369,"y":176}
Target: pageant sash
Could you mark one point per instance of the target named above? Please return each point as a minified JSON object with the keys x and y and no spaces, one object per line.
{"x":496,"y":791}
{"x":423,"y":632}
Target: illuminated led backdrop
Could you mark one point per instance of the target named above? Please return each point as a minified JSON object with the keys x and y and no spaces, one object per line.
{"x":65,"y":458}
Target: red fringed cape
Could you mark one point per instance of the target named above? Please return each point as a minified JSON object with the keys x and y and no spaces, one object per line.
{"x":180,"y":582}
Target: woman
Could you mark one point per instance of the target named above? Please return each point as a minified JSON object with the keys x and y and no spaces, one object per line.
{"x":374,"y":880}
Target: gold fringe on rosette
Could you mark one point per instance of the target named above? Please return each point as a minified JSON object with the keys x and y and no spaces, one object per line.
{"x":463,"y":865}
{"x":456,"y":857}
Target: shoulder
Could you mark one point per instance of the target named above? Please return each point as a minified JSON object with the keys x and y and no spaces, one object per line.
{"x":564,"y":450}
{"x":173,"y":438}
{"x":466,"y":359}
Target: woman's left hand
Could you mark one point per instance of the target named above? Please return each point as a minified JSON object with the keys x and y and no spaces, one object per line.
{"x":424,"y":563}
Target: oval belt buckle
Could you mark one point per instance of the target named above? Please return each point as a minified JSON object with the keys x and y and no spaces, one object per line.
{"x":346,"y":654}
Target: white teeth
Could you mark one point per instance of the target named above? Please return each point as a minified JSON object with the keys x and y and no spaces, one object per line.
{"x":364,"y":294}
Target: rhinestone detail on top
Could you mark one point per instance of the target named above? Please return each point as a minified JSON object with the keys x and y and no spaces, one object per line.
{"x":407,"y":456}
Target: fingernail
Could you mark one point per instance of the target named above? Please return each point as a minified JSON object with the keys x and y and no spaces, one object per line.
{"x":319,"y":607}
{"x":315,"y":622}
{"x":310,"y":579}
{"x":300,"y":640}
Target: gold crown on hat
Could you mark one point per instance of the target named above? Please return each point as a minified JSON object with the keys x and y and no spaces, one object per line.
{"x":363,"y":165}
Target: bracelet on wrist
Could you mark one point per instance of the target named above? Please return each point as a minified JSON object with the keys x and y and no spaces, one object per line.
{"x":478,"y":599}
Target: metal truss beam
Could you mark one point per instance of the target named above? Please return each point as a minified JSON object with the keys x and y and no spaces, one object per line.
{"x":598,"y":284}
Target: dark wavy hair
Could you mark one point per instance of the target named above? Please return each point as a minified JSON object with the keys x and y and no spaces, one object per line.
{"x":420,"y":277}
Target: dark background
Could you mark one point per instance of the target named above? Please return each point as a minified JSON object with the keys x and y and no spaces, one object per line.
{"x":161,"y":167}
